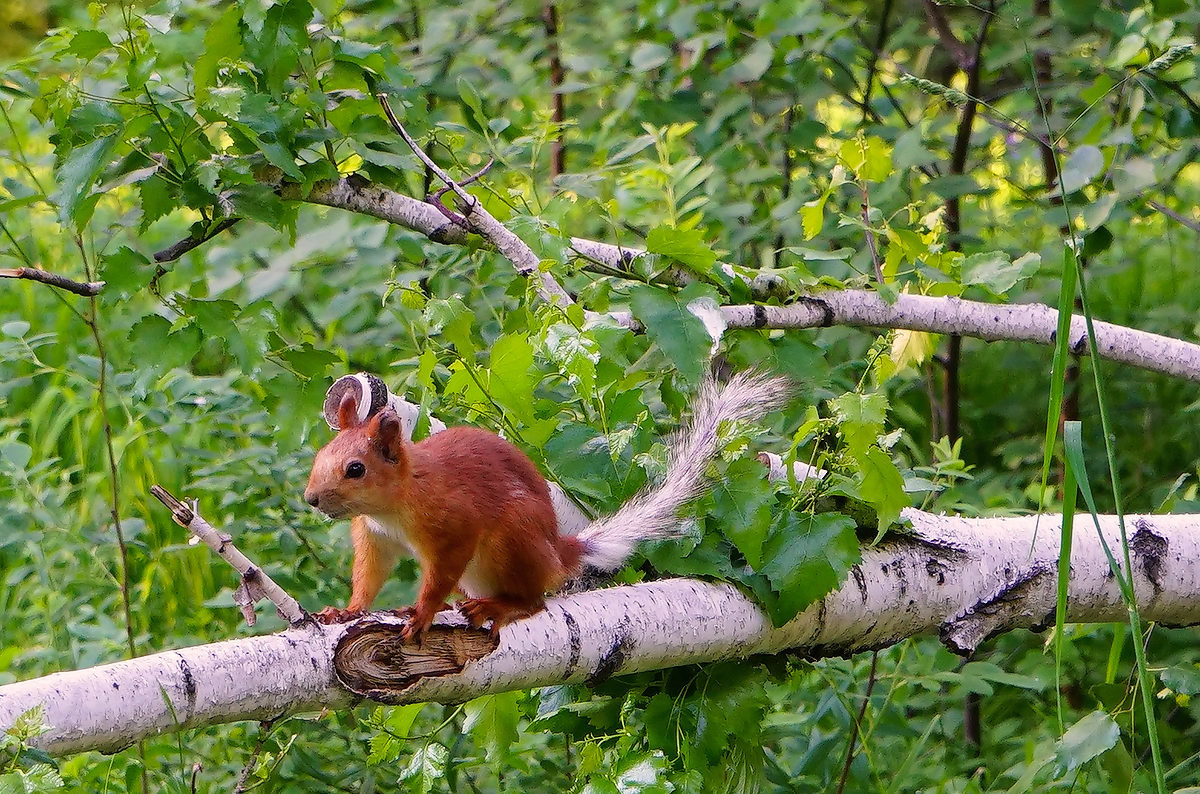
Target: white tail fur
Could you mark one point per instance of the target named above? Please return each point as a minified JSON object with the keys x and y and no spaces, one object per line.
{"x":651,"y":513}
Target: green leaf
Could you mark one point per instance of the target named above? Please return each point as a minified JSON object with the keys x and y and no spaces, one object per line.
{"x":744,"y":499}
{"x":470,"y":98}
{"x":679,"y":333}
{"x":575,"y":352}
{"x":156,"y":200}
{"x":1134,"y":176}
{"x":154,"y":344}
{"x":17,"y":454}
{"x":806,"y":557}
{"x":869,"y":157}
{"x":860,"y":419}
{"x":75,"y":178}
{"x":598,"y":784}
{"x":276,"y":46}
{"x":812,"y":216}
{"x":87,"y":44}
{"x":258,"y":202}
{"x":991,"y":672}
{"x":304,"y":360}
{"x":1084,"y":165}
{"x":391,"y":734}
{"x":1182,"y":679}
{"x":882,"y":487}
{"x":1094,"y":734}
{"x":216,"y":318}
{"x":124,"y":271}
{"x":954,"y":185}
{"x":451,"y":319}
{"x":492,"y":721}
{"x":996,"y":272}
{"x":647,"y":55}
{"x":427,"y":768}
{"x":511,"y":382}
{"x":753,"y":64}
{"x":223,"y":40}
{"x":683,"y":245}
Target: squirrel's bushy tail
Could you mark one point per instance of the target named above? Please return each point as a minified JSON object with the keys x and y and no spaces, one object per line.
{"x":651,"y":514}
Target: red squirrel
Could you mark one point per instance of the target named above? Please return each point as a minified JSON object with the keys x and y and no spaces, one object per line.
{"x":476,"y":512}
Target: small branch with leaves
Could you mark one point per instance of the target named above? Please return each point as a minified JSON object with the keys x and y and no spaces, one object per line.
{"x":510,"y":246}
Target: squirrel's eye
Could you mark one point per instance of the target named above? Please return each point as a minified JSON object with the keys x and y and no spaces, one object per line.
{"x":355,"y":470}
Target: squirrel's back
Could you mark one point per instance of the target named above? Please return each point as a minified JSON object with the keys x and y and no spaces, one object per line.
{"x":471,"y":460}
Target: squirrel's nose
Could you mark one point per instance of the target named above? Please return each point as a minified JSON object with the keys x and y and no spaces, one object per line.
{"x":312,"y":498}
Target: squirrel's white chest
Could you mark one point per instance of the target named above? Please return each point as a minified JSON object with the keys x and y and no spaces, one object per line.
{"x":394,"y":530}
{"x":474,"y":582}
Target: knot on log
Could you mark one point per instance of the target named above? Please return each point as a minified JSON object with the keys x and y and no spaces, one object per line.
{"x":372,"y":660}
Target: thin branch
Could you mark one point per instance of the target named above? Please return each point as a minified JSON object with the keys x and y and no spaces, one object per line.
{"x":1175,"y":216}
{"x":183,"y":246}
{"x":866,"y":216}
{"x":1030,"y":322}
{"x":857,"y":726}
{"x":256,"y":584}
{"x":85,"y":288}
{"x":435,"y":198}
{"x":558,"y":150}
{"x":264,"y":730}
{"x":475,"y":177}
{"x":972,"y":64}
{"x":873,"y":59}
{"x":511,"y":247}
{"x":941,"y":26}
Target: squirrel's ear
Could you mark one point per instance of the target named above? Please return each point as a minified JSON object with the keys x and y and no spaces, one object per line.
{"x":347,"y":413}
{"x":389,"y":436}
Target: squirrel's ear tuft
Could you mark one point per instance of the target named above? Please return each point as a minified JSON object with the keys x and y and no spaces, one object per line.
{"x":347,"y":413}
{"x":389,"y":435}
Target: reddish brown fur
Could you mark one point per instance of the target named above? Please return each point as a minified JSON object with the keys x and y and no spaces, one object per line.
{"x":461,"y":495}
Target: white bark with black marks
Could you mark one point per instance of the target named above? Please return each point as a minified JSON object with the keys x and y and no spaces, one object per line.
{"x":964,"y":579}
{"x":1035,"y":323}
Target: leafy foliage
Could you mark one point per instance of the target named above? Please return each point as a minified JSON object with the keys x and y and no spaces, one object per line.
{"x":788,"y":139}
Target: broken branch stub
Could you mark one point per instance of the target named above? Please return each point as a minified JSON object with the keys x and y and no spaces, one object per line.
{"x":256,"y":584}
{"x":372,"y":660}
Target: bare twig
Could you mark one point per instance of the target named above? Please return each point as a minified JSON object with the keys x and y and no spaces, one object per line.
{"x":475,"y":177}
{"x":857,"y":726}
{"x":866,"y":216}
{"x":558,"y":151}
{"x":511,"y":247}
{"x":264,"y":730}
{"x":873,"y":57}
{"x":256,"y":584}
{"x":941,"y":26}
{"x":435,"y":198}
{"x":789,"y":118}
{"x":84,"y":288}
{"x":1175,"y":216}
{"x":972,"y":64}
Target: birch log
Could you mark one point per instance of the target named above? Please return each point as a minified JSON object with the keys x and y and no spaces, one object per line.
{"x":964,"y":579}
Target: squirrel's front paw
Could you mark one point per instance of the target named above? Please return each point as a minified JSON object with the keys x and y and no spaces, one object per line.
{"x":330,"y":615}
